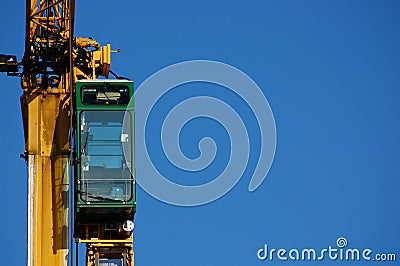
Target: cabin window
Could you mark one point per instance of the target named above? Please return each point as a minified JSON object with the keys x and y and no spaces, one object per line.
{"x":105,"y":171}
{"x":105,"y":94}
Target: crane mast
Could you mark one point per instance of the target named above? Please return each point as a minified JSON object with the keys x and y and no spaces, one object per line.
{"x":53,"y":62}
{"x":46,"y":104}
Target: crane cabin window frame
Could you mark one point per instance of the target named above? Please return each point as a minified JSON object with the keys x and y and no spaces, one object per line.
{"x":104,"y":144}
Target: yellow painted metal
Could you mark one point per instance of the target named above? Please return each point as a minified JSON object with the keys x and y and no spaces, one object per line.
{"x":46,"y":110}
{"x":109,"y":248}
{"x":97,"y":249}
{"x":96,"y":252}
{"x":106,"y":59}
{"x":107,"y":241}
{"x":46,"y":116}
{"x":47,"y":147}
{"x":86,"y":42}
{"x":90,"y":260}
{"x":97,"y":61}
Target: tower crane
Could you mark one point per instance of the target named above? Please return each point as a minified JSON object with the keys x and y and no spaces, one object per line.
{"x":81,"y":187}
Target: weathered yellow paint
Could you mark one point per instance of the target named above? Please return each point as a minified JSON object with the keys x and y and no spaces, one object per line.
{"x":48,"y":148}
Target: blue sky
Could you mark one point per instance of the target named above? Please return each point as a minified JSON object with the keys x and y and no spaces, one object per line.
{"x":330,"y":71}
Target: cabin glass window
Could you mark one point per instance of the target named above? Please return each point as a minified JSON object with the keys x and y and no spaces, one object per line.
{"x":105,"y":171}
{"x":105,"y":94}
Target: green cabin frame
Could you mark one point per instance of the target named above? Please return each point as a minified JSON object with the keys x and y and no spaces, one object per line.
{"x":104,"y":172}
